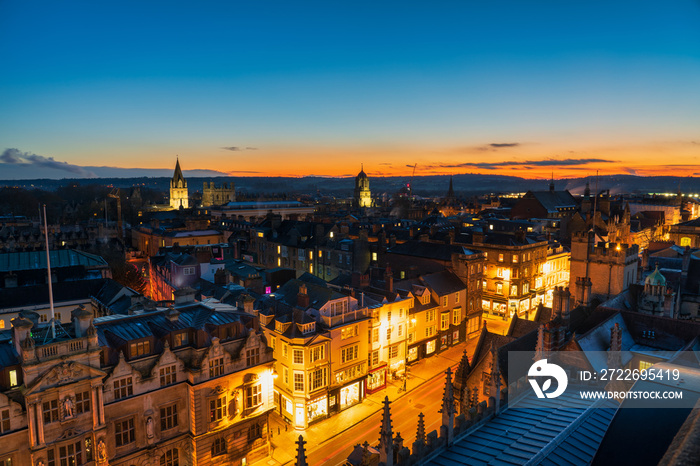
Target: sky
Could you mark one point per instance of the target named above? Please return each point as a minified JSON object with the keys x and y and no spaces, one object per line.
{"x":525,"y":88}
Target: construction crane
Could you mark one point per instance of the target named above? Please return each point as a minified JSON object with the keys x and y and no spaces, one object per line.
{"x":410,"y":183}
{"x":115,"y":194}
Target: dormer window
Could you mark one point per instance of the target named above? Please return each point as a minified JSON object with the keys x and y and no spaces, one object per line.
{"x":180,"y":339}
{"x":140,"y":348}
{"x":308,"y":328}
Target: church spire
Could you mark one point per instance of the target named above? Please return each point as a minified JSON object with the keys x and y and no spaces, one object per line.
{"x":178,"y":172}
{"x":551,"y":183}
{"x":450,"y":190}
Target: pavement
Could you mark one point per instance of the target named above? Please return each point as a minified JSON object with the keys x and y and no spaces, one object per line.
{"x":284,"y":437}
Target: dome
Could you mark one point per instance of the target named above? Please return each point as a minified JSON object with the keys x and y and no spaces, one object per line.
{"x":655,"y":278}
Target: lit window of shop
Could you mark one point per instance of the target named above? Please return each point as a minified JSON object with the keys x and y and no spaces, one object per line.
{"x":430,"y":347}
{"x":317,"y":408}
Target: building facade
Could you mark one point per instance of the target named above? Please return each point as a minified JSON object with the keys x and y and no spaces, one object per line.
{"x":181,"y":386}
{"x":218,"y":195}
{"x":362,"y":195}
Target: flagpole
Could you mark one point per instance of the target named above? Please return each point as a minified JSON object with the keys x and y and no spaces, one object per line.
{"x":48,"y":268}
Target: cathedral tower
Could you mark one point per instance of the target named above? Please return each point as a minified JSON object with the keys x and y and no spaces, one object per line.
{"x":179,"y":196}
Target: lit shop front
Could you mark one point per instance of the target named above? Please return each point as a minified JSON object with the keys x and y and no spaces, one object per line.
{"x":376,"y":379}
{"x":347,"y":396}
{"x":317,"y":409}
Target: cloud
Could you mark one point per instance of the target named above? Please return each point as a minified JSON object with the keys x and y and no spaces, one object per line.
{"x":17,"y":157}
{"x":499,"y":145}
{"x":237,"y":149}
{"x":526,"y":165}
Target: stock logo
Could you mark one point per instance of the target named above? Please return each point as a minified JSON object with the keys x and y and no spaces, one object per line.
{"x":542,"y":370}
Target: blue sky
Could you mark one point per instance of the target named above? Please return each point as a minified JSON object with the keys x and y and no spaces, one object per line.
{"x":319,"y":87}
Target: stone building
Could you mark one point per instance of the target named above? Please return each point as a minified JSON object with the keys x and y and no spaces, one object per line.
{"x":319,"y":338}
{"x":218,"y":195}
{"x":601,"y":270}
{"x":179,"y":195}
{"x":184,"y":386}
{"x":362,"y":195}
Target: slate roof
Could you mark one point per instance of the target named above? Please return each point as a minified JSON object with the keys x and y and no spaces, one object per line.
{"x":553,"y":200}
{"x":36,"y":260}
{"x":437,"y":251}
{"x":535,"y":430}
{"x":443,"y":283}
{"x":28,"y":296}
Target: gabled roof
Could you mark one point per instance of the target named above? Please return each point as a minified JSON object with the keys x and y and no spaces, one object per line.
{"x":553,"y":200}
{"x":443,"y":283}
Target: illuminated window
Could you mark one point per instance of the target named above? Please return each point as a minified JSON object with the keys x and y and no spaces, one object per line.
{"x":217,"y":409}
{"x":430,"y":315}
{"x":348,"y":354}
{"x":515,"y":258}
{"x":644,"y":365}
{"x":456,"y":315}
{"x":499,"y":288}
{"x":139,"y":349}
{"x":375,"y":358}
{"x":430,"y":347}
{"x":298,"y":356}
{"x":298,"y":382}
{"x":514,"y":290}
{"x":444,"y":320}
{"x":180,"y":339}
{"x":253,"y":396}
{"x":500,"y":258}
{"x":71,"y":454}
{"x":13,"y":378}
{"x":393,"y":351}
{"x":374,"y":256}
{"x":317,"y":352}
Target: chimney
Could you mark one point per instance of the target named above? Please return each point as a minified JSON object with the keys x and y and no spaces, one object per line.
{"x":21,"y":330}
{"x":565,"y":306}
{"x":303,"y":297}
{"x":172,"y":315}
{"x":548,"y":339}
{"x":388,"y":279}
{"x":556,"y":302}
{"x":82,"y":319}
{"x":184,"y":296}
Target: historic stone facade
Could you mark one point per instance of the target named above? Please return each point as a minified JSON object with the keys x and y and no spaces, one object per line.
{"x":186,"y":386}
{"x":218,"y":195}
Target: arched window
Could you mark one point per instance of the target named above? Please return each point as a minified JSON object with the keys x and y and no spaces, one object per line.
{"x":685,"y":241}
{"x":170,"y":458}
{"x":218,"y":447}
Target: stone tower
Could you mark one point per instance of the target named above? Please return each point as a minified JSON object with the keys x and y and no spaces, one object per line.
{"x":179,"y":196}
{"x":363,"y":196}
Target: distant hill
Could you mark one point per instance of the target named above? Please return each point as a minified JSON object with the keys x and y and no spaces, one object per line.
{"x":426,"y":186}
